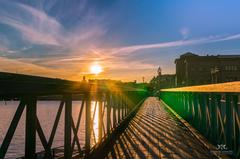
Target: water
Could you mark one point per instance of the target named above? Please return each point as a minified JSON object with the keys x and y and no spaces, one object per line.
{"x":46,"y":112}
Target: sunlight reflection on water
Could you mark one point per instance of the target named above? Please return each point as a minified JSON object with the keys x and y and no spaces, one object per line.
{"x":46,"y":112}
{"x":94,"y":111}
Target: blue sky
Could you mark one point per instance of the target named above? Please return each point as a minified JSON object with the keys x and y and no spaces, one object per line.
{"x":129,"y":38}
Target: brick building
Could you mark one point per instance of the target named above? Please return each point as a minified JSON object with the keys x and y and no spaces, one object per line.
{"x":192,"y":69}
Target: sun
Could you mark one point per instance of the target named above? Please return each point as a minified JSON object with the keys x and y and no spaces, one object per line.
{"x":96,"y":69}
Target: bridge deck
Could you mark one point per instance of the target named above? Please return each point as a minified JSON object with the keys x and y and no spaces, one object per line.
{"x":156,"y":133}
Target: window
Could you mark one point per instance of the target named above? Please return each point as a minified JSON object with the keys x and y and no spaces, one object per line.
{"x":231,"y":68}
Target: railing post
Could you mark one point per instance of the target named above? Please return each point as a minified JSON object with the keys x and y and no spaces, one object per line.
{"x":203,"y":112}
{"x":195,"y":105}
{"x":188,"y":104}
{"x":118,"y":107}
{"x":67,"y":127}
{"x":30,"y":136}
{"x":87,"y":125}
{"x":114,"y":110}
{"x":229,"y":121}
{"x":191,"y":110}
{"x":181,"y":102}
{"x":100,"y":118}
{"x":207,"y":114}
{"x":125,"y":105}
{"x":218,"y":104}
{"x":213,"y":117}
{"x":122,"y":106}
{"x":108,"y":113}
{"x":184,"y":110}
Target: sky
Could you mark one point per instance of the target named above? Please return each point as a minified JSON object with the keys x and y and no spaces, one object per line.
{"x":130,"y":39}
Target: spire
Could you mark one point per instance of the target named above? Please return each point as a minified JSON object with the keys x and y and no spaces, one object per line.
{"x":159,"y":71}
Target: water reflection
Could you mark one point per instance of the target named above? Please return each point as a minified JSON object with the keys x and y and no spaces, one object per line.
{"x":95,"y":118}
{"x":46,"y":112}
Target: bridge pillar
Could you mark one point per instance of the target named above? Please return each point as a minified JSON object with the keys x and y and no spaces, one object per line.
{"x":100,"y":118}
{"x":30,"y":136}
{"x":195,"y":106}
{"x":67,"y":128}
{"x":118,"y":108}
{"x":122,"y":106}
{"x":108,"y":113}
{"x":88,"y":131}
{"x":114,"y":110}
{"x":202,"y":107}
{"x":218,"y":118}
{"x":213,"y":117}
{"x":229,"y":120}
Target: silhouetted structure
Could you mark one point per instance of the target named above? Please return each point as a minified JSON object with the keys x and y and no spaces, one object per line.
{"x":114,"y":102}
{"x":192,"y":69}
{"x":162,"y":80}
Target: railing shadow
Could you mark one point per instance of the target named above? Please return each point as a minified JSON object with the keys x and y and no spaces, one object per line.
{"x":156,"y":133}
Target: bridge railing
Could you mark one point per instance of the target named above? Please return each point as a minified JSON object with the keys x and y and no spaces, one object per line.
{"x":112,"y":104}
{"x":214,"y":110}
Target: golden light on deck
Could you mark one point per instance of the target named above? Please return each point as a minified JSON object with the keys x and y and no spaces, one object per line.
{"x":96,"y":69}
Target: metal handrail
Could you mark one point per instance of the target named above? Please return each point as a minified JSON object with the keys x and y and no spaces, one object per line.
{"x":214,"y":113}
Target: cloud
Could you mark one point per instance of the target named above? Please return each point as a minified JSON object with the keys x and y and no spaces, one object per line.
{"x":125,"y":50}
{"x":38,"y":28}
{"x":134,"y":48}
{"x":230,"y":37}
{"x":34,"y":25}
{"x":11,"y":65}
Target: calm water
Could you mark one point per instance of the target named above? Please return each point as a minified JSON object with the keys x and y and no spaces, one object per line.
{"x":46,"y":112}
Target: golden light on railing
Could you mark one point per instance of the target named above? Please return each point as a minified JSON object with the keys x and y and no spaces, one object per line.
{"x":95,"y":118}
{"x":233,"y":87}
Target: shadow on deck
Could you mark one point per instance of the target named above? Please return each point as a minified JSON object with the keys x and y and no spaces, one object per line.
{"x":156,"y":133}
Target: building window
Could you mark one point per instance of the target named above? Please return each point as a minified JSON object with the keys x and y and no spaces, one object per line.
{"x":231,"y":68}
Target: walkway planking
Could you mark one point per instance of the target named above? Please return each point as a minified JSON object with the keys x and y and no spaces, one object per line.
{"x":156,"y":133}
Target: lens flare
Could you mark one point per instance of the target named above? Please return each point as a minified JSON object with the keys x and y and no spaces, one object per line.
{"x":96,"y":69}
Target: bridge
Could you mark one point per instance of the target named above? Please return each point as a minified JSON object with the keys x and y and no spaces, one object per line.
{"x":188,"y":122}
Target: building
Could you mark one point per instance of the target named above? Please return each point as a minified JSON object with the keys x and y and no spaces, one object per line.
{"x":192,"y":69}
{"x":162,"y":80}
{"x":167,"y":81}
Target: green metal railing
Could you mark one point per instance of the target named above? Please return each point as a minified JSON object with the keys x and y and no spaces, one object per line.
{"x":216,"y":115}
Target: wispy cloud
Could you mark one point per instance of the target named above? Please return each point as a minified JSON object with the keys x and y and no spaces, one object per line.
{"x":134,"y":48}
{"x":11,"y":65}
{"x":34,"y":25}
{"x":230,"y":37}
{"x":39,"y":28}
